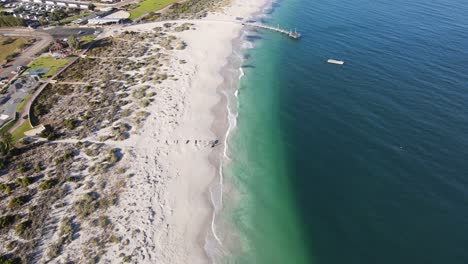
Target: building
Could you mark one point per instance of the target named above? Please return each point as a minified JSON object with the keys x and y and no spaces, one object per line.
{"x":68,"y":4}
{"x":104,"y":21}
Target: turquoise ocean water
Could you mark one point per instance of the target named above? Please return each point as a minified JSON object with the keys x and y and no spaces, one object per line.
{"x":360,"y":163}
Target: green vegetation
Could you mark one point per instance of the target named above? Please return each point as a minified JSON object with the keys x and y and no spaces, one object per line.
{"x":48,"y":184}
{"x":10,"y":46}
{"x":18,"y":201}
{"x":5,"y":187}
{"x":7,"y":127}
{"x":70,"y":123}
{"x":86,"y":40}
{"x":147,"y":6}
{"x":24,"y":181}
{"x":73,"y":42}
{"x":87,"y":205}
{"x":19,"y":132}
{"x":11,"y":21}
{"x":22,"y":227}
{"x":75,"y":17}
{"x":9,"y":260}
{"x":20,"y":106}
{"x":7,"y":220}
{"x":49,"y":62}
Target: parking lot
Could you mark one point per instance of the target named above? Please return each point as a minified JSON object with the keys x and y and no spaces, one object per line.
{"x":65,"y":32}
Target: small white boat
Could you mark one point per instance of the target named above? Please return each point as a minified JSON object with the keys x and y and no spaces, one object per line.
{"x":339,"y":62}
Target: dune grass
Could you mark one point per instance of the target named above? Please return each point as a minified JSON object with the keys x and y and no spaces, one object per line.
{"x":147,"y":6}
{"x":6,"y":49}
{"x":49,"y":62}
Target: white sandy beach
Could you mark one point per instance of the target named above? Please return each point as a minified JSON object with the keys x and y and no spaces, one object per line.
{"x":166,"y":210}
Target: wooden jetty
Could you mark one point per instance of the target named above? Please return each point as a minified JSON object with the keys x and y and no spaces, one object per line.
{"x":292,"y":34}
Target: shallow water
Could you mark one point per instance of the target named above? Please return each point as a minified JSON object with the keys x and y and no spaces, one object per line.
{"x":360,"y":163}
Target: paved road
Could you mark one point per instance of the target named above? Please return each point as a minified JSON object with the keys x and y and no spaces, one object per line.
{"x":27,"y":106}
{"x":65,"y":32}
{"x":27,"y":55}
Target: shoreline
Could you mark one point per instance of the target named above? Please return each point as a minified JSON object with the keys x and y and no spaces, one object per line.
{"x":168,"y":211}
{"x":225,"y":112}
{"x":176,"y":191}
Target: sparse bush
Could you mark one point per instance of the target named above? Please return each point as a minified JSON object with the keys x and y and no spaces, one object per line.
{"x":113,"y":156}
{"x":86,"y":205}
{"x":11,"y":245}
{"x":9,"y":260}
{"x":7,"y":220}
{"x":70,"y":124}
{"x":127,"y":259}
{"x":48,"y":184}
{"x":5,"y":187}
{"x":66,"y":230}
{"x":22,"y":227}
{"x":103,"y":221}
{"x":145,"y":103}
{"x":37,"y":168}
{"x":114,"y":239}
{"x":24,"y":181}
{"x":17,"y":201}
{"x":54,"y":250}
{"x":22,"y":168}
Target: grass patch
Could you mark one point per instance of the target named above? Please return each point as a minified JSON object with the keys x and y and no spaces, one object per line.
{"x":147,"y":6}
{"x":20,"y":106}
{"x":49,"y":62}
{"x":86,"y":40}
{"x":9,"y":45}
{"x":73,"y":18}
{"x":7,"y":127}
{"x":19,"y":132}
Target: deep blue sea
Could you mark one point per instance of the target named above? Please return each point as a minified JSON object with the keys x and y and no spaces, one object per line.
{"x":361,"y":163}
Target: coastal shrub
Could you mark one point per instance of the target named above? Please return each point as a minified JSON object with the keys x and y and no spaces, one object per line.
{"x":22,"y":227}
{"x":70,"y":124}
{"x":37,"y":168}
{"x":7,"y":220}
{"x":108,"y":201}
{"x":22,"y":168}
{"x":18,"y":201}
{"x":145,"y":103}
{"x":24,"y":181}
{"x":86,"y":205}
{"x":113,"y":155}
{"x":66,"y":230}
{"x":68,"y":155}
{"x":92,"y":152}
{"x":11,"y":245}
{"x":48,"y":184}
{"x":8,"y":259}
{"x":127,"y":259}
{"x":114,"y":239}
{"x":182,"y":45}
{"x":6,"y":188}
{"x":54,"y":250}
{"x":103,"y":221}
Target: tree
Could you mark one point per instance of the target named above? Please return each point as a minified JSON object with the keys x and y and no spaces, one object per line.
{"x":57,"y":15}
{"x":73,"y":42}
{"x":6,"y":143}
{"x":91,"y":6}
